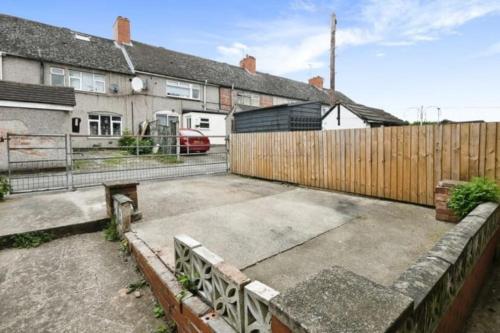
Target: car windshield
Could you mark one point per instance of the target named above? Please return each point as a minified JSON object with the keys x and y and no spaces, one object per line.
{"x":191,"y":133}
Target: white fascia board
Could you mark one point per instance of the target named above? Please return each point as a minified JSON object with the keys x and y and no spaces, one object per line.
{"x":42,"y":106}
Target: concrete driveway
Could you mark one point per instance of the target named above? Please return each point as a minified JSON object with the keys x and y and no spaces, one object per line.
{"x":282,"y":234}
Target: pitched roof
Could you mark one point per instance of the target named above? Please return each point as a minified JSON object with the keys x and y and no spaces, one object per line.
{"x":34,"y":40}
{"x":153,"y":59}
{"x":35,"y":93}
{"x":372,"y":115}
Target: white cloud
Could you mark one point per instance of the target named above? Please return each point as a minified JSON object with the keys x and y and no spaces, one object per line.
{"x":380,"y":54}
{"x":306,"y":5}
{"x":235,"y":49}
{"x":292,"y":44}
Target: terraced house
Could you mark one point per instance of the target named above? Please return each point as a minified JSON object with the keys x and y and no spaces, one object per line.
{"x":120,"y":83}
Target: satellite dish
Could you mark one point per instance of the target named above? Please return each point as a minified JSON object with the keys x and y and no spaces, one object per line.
{"x":137,"y":84}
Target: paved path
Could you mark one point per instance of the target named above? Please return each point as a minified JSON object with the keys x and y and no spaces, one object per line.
{"x":157,"y":199}
{"x":75,"y":284}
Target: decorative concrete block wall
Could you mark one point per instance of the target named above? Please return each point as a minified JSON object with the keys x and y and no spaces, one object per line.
{"x":183,"y":246}
{"x":202,"y":262}
{"x":257,"y":314}
{"x":228,"y":284}
{"x":242,"y":304}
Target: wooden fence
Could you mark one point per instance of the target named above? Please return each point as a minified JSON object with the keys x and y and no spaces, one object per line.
{"x":401,"y":163}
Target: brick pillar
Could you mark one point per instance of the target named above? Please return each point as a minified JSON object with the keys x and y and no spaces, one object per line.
{"x":128,"y":189}
{"x":122,"y":211}
{"x":441,"y":196}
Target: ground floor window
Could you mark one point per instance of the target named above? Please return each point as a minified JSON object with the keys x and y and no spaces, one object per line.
{"x":204,"y":123}
{"x":105,"y":125}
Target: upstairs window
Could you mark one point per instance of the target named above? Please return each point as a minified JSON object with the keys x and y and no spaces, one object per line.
{"x":57,"y":77}
{"x":282,"y":100}
{"x":183,"y":89}
{"x":248,"y":99}
{"x":105,"y":125}
{"x":85,"y":81}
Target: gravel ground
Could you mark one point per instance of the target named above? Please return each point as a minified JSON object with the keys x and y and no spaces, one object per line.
{"x":486,"y":316}
{"x":73,"y":284}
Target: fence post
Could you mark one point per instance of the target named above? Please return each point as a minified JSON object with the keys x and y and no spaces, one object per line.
{"x":69,"y":155}
{"x":8,"y":158}
{"x":227,"y":152}
{"x":137,"y":145}
{"x":66,"y":153}
{"x":178,"y":142}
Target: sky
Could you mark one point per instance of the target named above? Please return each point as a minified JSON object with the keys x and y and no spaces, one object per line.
{"x":400,"y":55}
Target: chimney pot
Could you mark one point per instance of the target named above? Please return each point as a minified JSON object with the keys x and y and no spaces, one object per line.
{"x":249,"y":63}
{"x":316,"y":81}
{"x":121,"y":30}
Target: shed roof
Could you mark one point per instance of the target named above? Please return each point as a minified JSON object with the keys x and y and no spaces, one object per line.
{"x":34,"y":40}
{"x":372,"y":115}
{"x":35,"y":93}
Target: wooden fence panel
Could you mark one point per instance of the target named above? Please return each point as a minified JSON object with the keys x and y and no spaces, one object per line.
{"x":401,"y":163}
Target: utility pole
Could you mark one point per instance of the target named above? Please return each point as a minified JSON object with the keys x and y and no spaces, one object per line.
{"x":333,"y":29}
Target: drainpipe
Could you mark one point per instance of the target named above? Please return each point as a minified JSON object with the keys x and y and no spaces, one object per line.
{"x":1,"y":65}
{"x":205,"y":95}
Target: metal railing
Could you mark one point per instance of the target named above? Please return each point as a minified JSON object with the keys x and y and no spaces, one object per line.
{"x":48,"y":162}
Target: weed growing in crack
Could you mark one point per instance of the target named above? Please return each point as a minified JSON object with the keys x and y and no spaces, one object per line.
{"x":111,"y":231}
{"x":158,"y":311}
{"x":31,"y":239}
{"x":136,"y":286}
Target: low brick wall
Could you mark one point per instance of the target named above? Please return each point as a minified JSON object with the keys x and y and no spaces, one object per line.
{"x":445,"y":282}
{"x":189,"y":312}
{"x":435,"y":294}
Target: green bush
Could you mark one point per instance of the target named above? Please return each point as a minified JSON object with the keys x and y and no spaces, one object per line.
{"x":129,"y":143}
{"x":4,"y":187}
{"x":466,"y":197}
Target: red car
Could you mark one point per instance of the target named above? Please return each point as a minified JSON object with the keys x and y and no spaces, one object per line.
{"x":193,"y":141}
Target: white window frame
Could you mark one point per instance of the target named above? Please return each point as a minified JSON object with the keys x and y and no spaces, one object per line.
{"x":112,"y":122}
{"x":63,"y":75}
{"x":75,"y":74}
{"x":189,"y":122}
{"x":252,"y":98}
{"x":181,"y":84}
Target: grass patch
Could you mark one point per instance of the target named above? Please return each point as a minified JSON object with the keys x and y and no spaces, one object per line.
{"x":80,"y":164}
{"x":466,"y":197}
{"x":113,"y":161}
{"x":111,"y":231}
{"x":167,"y":159}
{"x":31,"y":239}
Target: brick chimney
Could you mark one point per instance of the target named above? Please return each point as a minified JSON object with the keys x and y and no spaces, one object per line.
{"x":249,"y":64}
{"x":121,"y":30}
{"x":316,"y":81}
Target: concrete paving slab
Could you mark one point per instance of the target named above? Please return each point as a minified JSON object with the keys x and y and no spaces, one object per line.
{"x":249,"y":231}
{"x":283,"y":234}
{"x":74,"y":284}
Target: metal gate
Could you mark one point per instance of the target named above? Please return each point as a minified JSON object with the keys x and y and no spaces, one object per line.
{"x":50,"y":162}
